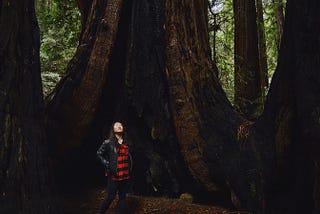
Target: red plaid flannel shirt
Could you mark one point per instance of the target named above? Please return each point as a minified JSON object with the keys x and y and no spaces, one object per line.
{"x":123,"y":163}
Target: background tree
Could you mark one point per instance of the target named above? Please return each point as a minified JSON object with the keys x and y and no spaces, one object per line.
{"x":263,"y":65}
{"x":271,"y":32}
{"x":248,"y":94}
{"x":222,"y":25}
{"x":279,"y":15}
{"x":26,"y":185}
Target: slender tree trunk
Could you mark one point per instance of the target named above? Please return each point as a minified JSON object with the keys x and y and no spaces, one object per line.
{"x":25,"y":186}
{"x":213,"y":28}
{"x":214,"y":38}
{"x":49,"y":5}
{"x":278,"y":8}
{"x":262,"y":48}
{"x":247,"y":72}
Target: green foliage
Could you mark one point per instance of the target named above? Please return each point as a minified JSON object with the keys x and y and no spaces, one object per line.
{"x":59,"y":23}
{"x":224,"y":49}
{"x":49,"y":81}
{"x":224,"y":40}
{"x":271,"y":32}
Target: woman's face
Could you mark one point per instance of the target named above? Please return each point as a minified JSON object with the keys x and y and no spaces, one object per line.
{"x":117,"y":127}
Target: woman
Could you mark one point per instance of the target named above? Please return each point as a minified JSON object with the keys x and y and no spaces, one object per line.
{"x":114,"y":155}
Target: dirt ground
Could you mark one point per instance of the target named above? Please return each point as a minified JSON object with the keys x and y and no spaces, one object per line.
{"x":89,"y":202}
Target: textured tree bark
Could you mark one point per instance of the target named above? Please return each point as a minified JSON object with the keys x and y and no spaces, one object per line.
{"x":169,"y":103}
{"x":72,"y":106}
{"x":160,"y":81}
{"x":189,"y":71}
{"x":134,"y":92}
{"x":237,"y":153}
{"x":262,"y":48}
{"x":293,"y":108}
{"x":247,"y":72}
{"x":84,"y":7}
{"x":26,"y":186}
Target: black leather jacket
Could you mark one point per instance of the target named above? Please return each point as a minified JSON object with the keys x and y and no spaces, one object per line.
{"x":107,"y":153}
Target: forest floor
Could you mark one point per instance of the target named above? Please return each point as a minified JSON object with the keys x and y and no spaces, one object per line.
{"x":89,"y":202}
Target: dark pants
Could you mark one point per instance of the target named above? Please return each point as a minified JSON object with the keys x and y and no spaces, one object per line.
{"x":113,"y":187}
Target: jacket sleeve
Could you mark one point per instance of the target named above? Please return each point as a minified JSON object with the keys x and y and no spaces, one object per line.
{"x":103,"y":153}
{"x":130,"y":157}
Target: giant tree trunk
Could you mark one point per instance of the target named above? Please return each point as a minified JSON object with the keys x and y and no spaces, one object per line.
{"x":292,"y":112}
{"x":247,"y":84}
{"x":167,"y":114}
{"x":157,"y":76}
{"x":25,"y":186}
{"x":84,"y":7}
{"x":129,"y":86}
{"x":205,"y":123}
{"x":72,"y":106}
